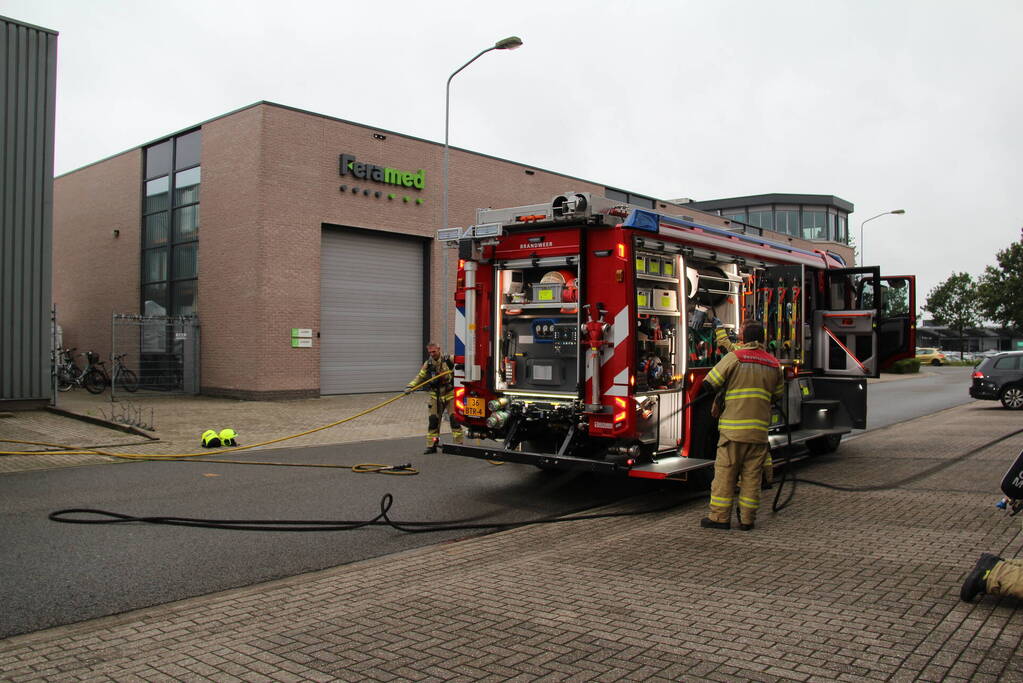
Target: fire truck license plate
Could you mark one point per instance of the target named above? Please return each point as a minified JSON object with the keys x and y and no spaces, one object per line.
{"x":474,"y":407}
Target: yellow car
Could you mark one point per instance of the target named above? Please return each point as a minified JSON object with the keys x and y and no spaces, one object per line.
{"x":931,"y":356}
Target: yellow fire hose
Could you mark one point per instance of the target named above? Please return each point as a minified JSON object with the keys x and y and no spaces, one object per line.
{"x":361,"y":468}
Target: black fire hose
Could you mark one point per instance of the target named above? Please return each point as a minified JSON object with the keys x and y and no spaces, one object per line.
{"x":94,"y":516}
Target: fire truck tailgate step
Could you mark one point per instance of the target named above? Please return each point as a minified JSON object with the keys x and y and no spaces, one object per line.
{"x":666,"y":468}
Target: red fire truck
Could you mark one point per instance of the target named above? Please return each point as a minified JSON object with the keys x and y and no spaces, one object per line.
{"x":585,"y":328}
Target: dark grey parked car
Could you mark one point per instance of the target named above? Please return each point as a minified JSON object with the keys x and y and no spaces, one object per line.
{"x":1000,"y":378}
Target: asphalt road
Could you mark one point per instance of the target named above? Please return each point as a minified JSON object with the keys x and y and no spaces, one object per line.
{"x":61,"y":573}
{"x":935,"y":389}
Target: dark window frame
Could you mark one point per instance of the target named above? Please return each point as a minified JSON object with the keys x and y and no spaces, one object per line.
{"x":172,"y":284}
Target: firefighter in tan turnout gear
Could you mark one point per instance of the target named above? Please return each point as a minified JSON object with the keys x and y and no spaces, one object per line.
{"x":442,"y":394}
{"x":748,"y":379}
{"x":994,"y":576}
{"x":724,"y":342}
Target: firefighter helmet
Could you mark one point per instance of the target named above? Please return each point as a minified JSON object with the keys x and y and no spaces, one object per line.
{"x":228,"y":437}
{"x":210,"y":439}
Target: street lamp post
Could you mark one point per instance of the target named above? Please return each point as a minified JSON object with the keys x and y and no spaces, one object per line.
{"x":509,"y":43}
{"x":883,"y":213}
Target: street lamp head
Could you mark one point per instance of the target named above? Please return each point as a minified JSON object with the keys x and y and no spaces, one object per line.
{"x":898,"y":211}
{"x":509,"y":43}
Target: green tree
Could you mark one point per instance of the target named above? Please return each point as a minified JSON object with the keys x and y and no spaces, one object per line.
{"x":954,"y":303}
{"x":1001,"y":288}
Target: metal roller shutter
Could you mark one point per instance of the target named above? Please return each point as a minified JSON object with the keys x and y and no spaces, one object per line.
{"x":371,"y":311}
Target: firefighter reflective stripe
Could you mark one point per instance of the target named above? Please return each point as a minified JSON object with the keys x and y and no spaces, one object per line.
{"x":749,"y":377}
{"x":750,"y":503}
{"x":747,"y":424}
{"x":779,"y":390}
{"x":721,"y":502}
{"x":715,"y":378}
{"x":733,"y":394}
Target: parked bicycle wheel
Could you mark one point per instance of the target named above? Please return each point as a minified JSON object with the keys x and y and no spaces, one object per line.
{"x":127,"y":380}
{"x":94,"y":381}
{"x":64,"y":379}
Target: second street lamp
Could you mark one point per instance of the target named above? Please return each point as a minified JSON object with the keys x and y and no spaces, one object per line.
{"x":509,"y":43}
{"x":883,"y":213}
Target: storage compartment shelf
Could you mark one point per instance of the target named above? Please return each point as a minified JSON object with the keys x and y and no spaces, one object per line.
{"x":567,"y":306}
{"x":656,"y":278}
{"x":654,"y":311}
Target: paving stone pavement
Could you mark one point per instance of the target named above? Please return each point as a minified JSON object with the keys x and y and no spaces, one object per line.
{"x":173,"y":424}
{"x":838,"y":586}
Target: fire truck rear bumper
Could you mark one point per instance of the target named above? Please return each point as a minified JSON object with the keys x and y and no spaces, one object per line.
{"x":542,"y":460}
{"x":665,"y":468}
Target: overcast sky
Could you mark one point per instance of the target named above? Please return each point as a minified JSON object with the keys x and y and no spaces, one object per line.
{"x":889,"y":104}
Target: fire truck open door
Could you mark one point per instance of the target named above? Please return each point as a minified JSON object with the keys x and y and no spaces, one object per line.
{"x":897,"y":326}
{"x":845,"y":336}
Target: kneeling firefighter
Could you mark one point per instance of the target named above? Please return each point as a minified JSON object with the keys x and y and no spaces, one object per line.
{"x":992,"y":574}
{"x":748,"y":379}
{"x":442,"y":394}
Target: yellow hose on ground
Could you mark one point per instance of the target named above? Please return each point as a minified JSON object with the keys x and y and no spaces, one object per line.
{"x":369,"y":467}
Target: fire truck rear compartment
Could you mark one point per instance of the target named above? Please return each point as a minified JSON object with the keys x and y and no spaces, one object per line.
{"x":815,"y":414}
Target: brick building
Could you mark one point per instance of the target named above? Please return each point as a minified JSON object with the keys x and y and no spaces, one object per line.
{"x":316,"y":269}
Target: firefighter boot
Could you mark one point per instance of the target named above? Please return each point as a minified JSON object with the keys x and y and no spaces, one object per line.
{"x":976,"y":580}
{"x":432,"y":448}
{"x":708,"y":523}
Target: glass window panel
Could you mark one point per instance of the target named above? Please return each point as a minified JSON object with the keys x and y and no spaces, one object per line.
{"x":187,"y":150}
{"x":762,"y":219}
{"x":645,"y":202}
{"x":156,"y":194}
{"x":158,"y":159}
{"x":740,"y":216}
{"x":842,"y":235}
{"x":186,"y":187}
{"x":832,"y":234}
{"x":186,"y":223}
{"x":184,"y":298}
{"x":154,"y":299}
{"x":186,"y":261}
{"x":814,"y":225}
{"x":794,"y":224}
{"x":154,"y":265}
{"x":1009,"y":363}
{"x":616,"y":195}
{"x":155,"y":230}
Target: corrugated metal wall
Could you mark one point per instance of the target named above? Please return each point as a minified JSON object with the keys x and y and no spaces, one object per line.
{"x":28,"y":83}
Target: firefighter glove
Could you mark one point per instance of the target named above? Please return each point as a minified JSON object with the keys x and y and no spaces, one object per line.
{"x":407,"y":391}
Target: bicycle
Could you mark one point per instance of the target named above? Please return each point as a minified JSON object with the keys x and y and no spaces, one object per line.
{"x":70,"y":375}
{"x":124,"y":378}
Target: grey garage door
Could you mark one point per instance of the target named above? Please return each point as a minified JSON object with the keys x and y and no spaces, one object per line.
{"x":371,"y":311}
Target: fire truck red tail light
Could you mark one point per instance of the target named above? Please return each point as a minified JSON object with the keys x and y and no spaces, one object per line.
{"x":460,"y":399}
